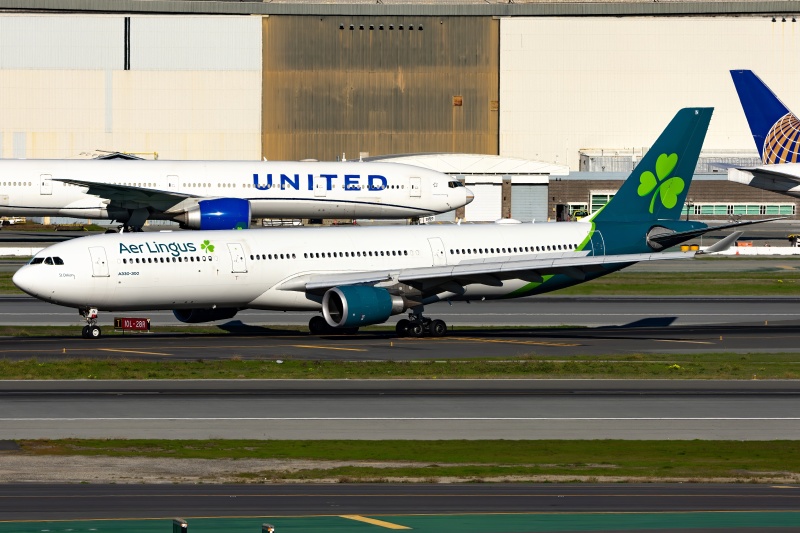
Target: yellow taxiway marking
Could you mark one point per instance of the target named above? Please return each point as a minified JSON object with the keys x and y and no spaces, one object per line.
{"x":381,"y":523}
{"x":327,"y":348}
{"x":508,"y":341}
{"x":131,"y":351}
{"x":687,"y":342}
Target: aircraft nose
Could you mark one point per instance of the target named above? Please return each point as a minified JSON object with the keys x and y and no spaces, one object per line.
{"x":470,"y":196}
{"x":25,"y":280}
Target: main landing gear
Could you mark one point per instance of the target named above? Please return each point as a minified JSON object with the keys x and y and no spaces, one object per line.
{"x":91,"y":330}
{"x":417,"y":325}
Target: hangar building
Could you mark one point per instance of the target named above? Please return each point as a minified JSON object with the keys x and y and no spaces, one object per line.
{"x":549,"y":82}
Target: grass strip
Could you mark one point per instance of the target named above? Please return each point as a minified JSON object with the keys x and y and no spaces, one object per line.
{"x":635,"y":366}
{"x":472,"y":460}
{"x":758,"y":283}
{"x":751,"y":283}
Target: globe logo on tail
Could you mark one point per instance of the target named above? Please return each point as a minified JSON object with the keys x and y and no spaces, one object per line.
{"x":661,"y":184}
{"x":781,"y":143}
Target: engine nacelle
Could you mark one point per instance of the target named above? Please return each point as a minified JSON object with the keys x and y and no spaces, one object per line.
{"x":218,"y":213}
{"x":353,"y":306}
{"x":196,"y":316}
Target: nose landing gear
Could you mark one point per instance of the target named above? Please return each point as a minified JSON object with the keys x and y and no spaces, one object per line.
{"x":91,"y":330}
{"x":417,"y":325}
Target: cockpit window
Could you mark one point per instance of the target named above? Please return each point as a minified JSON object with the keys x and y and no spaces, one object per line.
{"x":454,"y":184}
{"x":46,"y":261}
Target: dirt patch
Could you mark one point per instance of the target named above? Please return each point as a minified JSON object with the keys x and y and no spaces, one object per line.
{"x":102,"y":469}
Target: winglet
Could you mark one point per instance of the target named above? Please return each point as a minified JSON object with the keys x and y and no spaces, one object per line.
{"x":722,"y":245}
{"x":775,"y":129}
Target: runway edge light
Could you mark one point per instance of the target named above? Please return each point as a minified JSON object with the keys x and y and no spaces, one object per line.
{"x":267,"y":528}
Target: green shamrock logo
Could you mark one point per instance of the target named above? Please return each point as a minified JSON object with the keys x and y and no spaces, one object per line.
{"x":207,"y":246}
{"x":669,"y":189}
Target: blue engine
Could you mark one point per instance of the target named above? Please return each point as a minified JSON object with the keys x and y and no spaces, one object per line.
{"x":352,"y":306}
{"x":196,"y":316}
{"x":219,"y":213}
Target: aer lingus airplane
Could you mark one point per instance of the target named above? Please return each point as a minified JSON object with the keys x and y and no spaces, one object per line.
{"x":776,"y":132}
{"x":223,"y":194}
{"x":357,"y":276}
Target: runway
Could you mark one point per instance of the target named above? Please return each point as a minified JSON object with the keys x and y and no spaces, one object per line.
{"x":271,"y":344}
{"x":59,"y":502}
{"x":402,"y":409}
{"x":588,"y":311}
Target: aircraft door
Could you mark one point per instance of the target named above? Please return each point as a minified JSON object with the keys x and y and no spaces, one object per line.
{"x":99,"y":262}
{"x":415,"y":187}
{"x":598,"y":244}
{"x":173,"y":183}
{"x":320,"y":187}
{"x":437,"y":249}
{"x":238,"y":263}
{"x":46,"y":184}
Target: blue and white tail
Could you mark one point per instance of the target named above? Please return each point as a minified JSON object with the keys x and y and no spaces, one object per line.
{"x":775,"y":129}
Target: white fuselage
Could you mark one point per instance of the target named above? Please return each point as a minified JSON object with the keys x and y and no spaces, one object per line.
{"x":275,"y":189}
{"x":263,"y":268}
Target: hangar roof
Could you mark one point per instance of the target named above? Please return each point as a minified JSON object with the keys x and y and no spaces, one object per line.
{"x":496,"y":8}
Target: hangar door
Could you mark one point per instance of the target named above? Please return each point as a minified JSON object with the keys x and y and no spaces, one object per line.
{"x":487,"y":203}
{"x":529,"y":202}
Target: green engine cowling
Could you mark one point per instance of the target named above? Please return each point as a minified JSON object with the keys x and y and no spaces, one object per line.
{"x":352,"y":306}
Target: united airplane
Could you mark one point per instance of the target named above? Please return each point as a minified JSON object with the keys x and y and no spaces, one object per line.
{"x":357,"y":276}
{"x":223,"y":194}
{"x":776,"y":132}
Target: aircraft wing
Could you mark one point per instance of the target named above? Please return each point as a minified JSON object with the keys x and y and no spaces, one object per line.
{"x":131,"y":197}
{"x":431,"y":279}
{"x":773,"y":172}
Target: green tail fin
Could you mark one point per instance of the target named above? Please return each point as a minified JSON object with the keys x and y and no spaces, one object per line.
{"x":657,"y":187}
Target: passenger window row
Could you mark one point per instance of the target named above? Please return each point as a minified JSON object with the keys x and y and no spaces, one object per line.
{"x":369,"y":253}
{"x":514,"y":250}
{"x":171,"y":259}
{"x":16,"y":184}
{"x":261,"y":257}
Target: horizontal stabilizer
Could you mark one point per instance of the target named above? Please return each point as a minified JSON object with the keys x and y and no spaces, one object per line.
{"x":671,"y":239}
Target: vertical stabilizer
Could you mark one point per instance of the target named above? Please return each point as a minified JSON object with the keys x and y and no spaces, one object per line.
{"x":775,"y":129}
{"x":657,"y":187}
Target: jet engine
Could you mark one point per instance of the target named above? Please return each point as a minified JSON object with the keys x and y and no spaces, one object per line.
{"x":218,"y":213}
{"x":196,"y":316}
{"x":353,"y":306}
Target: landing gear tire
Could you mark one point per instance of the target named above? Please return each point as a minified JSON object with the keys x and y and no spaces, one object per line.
{"x":416,"y":329}
{"x":438,"y":328}
{"x":91,"y":332}
{"x":402,"y":327}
